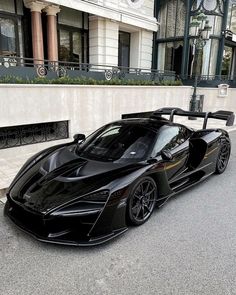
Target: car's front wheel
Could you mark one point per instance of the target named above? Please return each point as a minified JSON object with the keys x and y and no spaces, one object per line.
{"x":223,"y":156}
{"x":141,"y":202}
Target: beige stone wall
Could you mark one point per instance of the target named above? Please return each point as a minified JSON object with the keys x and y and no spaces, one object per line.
{"x":103,"y":41}
{"x":89,"y":107}
{"x":140,"y":7}
{"x":214,"y":103}
{"x":86,"y":108}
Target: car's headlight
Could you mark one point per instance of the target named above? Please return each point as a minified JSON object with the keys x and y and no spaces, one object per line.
{"x":100,"y":196}
{"x":90,"y":204}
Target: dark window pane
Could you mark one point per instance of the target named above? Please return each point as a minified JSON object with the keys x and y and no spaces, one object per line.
{"x":168,"y":58}
{"x":77,"y":47}
{"x":124,"y":49}
{"x":227,"y":61}
{"x":70,"y":17}
{"x":71,"y":45}
{"x":64,"y":49}
{"x":7,"y":6}
{"x":7,"y":36}
{"x":167,"y":138}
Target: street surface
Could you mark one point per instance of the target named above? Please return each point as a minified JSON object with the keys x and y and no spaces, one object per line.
{"x":187,"y":247}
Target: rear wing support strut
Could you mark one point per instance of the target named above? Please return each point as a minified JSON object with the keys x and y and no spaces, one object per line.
{"x":220,"y":115}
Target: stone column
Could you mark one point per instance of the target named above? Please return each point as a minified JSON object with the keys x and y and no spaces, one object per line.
{"x":103,"y":41}
{"x":52,"y":11}
{"x":37,"y":32}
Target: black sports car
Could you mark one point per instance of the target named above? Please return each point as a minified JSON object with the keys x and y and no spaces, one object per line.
{"x":89,"y":191}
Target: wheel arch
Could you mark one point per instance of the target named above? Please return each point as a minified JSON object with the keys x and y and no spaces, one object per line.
{"x":163,"y":188}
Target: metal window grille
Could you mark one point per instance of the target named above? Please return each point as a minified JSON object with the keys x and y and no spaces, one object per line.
{"x":34,"y":133}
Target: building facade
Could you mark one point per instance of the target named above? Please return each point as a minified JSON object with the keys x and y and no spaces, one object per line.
{"x":104,"y":32}
{"x":174,"y":49}
{"x":38,"y":36}
{"x":83,"y":37}
{"x":125,"y":33}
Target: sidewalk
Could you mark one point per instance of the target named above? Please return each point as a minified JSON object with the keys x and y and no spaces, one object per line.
{"x":9,"y":168}
{"x":10,"y":165}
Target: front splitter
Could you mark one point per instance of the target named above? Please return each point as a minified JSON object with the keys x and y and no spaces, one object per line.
{"x":92,"y":241}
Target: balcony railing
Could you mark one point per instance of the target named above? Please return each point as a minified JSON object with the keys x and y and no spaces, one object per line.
{"x":210,"y":80}
{"x":30,"y":68}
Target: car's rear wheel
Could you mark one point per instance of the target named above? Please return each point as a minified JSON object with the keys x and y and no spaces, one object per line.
{"x":141,"y":202}
{"x":223,"y":156}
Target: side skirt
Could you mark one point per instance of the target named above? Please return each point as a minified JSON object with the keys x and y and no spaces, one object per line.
{"x":182,"y":189}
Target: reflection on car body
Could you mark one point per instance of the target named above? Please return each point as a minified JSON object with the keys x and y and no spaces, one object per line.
{"x":89,"y":191}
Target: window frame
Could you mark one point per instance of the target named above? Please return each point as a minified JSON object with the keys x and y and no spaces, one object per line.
{"x":119,"y":48}
{"x":15,"y":18}
{"x":72,"y":30}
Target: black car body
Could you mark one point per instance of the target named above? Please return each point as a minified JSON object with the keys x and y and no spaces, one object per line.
{"x":87,"y":192}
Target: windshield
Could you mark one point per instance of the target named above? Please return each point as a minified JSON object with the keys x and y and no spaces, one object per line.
{"x":118,"y":142}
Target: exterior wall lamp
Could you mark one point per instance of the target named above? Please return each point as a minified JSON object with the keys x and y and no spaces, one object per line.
{"x":223,"y":90}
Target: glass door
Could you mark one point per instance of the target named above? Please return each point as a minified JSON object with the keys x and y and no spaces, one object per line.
{"x":71,"y":46}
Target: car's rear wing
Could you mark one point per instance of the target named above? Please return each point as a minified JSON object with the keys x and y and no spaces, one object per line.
{"x":220,"y":115}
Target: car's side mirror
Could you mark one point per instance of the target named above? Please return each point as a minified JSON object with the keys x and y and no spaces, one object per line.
{"x":79,"y":137}
{"x":166,"y":155}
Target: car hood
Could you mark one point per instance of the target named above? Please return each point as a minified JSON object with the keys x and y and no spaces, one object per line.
{"x":62,"y":177}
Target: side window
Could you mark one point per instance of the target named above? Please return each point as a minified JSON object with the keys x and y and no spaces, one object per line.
{"x":184,"y":134}
{"x":170,"y":137}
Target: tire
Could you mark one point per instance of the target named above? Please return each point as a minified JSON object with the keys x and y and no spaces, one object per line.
{"x":223,"y":156}
{"x":142,"y":201}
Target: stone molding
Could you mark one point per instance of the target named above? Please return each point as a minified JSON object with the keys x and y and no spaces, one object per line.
{"x":38,"y":6}
{"x":127,"y":16}
{"x":52,"y":10}
{"x":35,"y":6}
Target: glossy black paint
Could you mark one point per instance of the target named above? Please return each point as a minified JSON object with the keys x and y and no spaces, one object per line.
{"x":60,"y":197}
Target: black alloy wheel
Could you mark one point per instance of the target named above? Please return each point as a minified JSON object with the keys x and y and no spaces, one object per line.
{"x":223,"y":157}
{"x":142,"y":201}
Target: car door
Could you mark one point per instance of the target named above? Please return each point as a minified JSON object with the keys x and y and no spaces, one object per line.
{"x":175,"y":140}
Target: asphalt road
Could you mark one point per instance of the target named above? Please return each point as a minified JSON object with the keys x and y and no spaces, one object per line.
{"x":187,"y":247}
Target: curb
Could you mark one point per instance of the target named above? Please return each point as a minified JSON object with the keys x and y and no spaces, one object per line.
{"x":3,"y":200}
{"x":233,"y":129}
